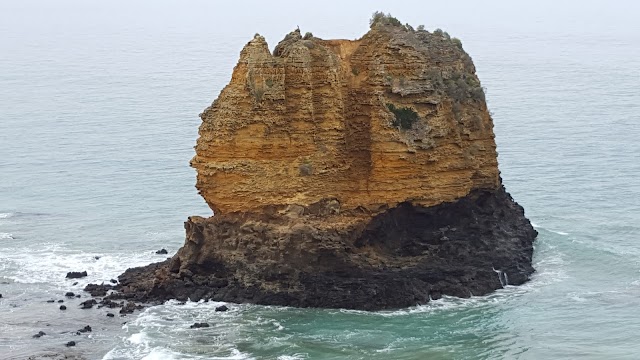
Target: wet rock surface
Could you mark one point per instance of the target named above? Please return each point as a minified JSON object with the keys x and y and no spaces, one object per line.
{"x":402,"y":257}
{"x":98,"y":290}
{"x":88,"y":304}
{"x":76,"y":274}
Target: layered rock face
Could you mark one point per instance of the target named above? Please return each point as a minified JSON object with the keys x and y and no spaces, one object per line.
{"x":355,"y":174}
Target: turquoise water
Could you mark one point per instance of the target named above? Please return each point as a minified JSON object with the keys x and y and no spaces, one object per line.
{"x":98,"y":118}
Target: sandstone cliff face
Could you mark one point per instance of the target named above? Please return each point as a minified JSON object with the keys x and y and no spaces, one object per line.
{"x":355,"y":174}
{"x":313,"y":122}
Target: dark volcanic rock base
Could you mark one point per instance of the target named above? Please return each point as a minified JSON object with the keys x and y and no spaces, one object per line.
{"x":402,"y":257}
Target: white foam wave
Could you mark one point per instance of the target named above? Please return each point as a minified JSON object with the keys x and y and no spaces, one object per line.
{"x":5,"y":215}
{"x":6,"y":236}
{"x":537,"y":226}
{"x":51,"y":262}
{"x":293,"y":357}
{"x":152,"y":328}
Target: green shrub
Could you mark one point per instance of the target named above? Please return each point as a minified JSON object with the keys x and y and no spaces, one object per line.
{"x":305,"y":169}
{"x":457,"y":42}
{"x":438,"y":32}
{"x":405,"y":117}
{"x":420,"y":28}
{"x":307,"y":36}
{"x":477,"y":93}
{"x":379,"y":17}
{"x":457,"y":111}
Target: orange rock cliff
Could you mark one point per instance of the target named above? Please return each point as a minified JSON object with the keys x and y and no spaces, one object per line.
{"x":315,"y":121}
{"x":355,"y":174}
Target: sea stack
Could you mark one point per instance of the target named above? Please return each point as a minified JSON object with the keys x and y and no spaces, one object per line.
{"x":356,"y":174}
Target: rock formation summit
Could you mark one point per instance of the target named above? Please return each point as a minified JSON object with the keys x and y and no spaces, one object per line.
{"x":356,"y":174}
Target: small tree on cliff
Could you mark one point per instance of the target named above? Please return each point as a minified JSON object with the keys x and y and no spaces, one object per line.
{"x":379,"y":17}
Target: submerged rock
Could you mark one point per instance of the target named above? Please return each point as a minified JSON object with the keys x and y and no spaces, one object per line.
{"x":98,"y":290}
{"x":63,"y":307}
{"x":199,"y":325}
{"x":85,"y":329}
{"x":130,"y":307}
{"x":162,"y":252}
{"x":39,"y":335}
{"x":76,"y":274}
{"x":88,"y":304}
{"x":70,"y":343}
{"x":366,"y":178}
{"x":222,"y":308}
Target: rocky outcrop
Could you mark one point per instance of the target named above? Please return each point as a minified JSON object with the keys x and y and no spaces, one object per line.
{"x":355,"y":174}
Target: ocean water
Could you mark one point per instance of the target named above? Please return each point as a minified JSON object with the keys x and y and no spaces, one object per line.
{"x":99,"y":106}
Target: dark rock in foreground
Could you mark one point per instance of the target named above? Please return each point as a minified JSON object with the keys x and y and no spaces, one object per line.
{"x":402,"y":257}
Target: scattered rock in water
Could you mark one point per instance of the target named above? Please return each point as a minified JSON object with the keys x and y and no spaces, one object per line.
{"x":39,"y":334}
{"x":88,"y":304}
{"x":222,"y":308}
{"x":70,"y":343}
{"x":98,"y":290}
{"x":74,"y":284}
{"x":162,"y":252}
{"x":110,"y":315}
{"x":113,"y":281}
{"x":97,"y":257}
{"x":69,"y":294}
{"x":199,"y":325}
{"x":62,"y":307}
{"x":130,"y":307}
{"x":76,"y":274}
{"x":0,"y":296}
{"x":78,"y":296}
{"x":109,"y":304}
{"x":51,"y":301}
{"x":85,"y":329}
{"x":60,"y":301}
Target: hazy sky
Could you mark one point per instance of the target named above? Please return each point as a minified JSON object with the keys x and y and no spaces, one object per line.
{"x":328,"y":19}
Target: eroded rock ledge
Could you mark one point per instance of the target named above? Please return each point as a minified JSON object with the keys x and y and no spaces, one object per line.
{"x":401,"y":257}
{"x":346,"y":174}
